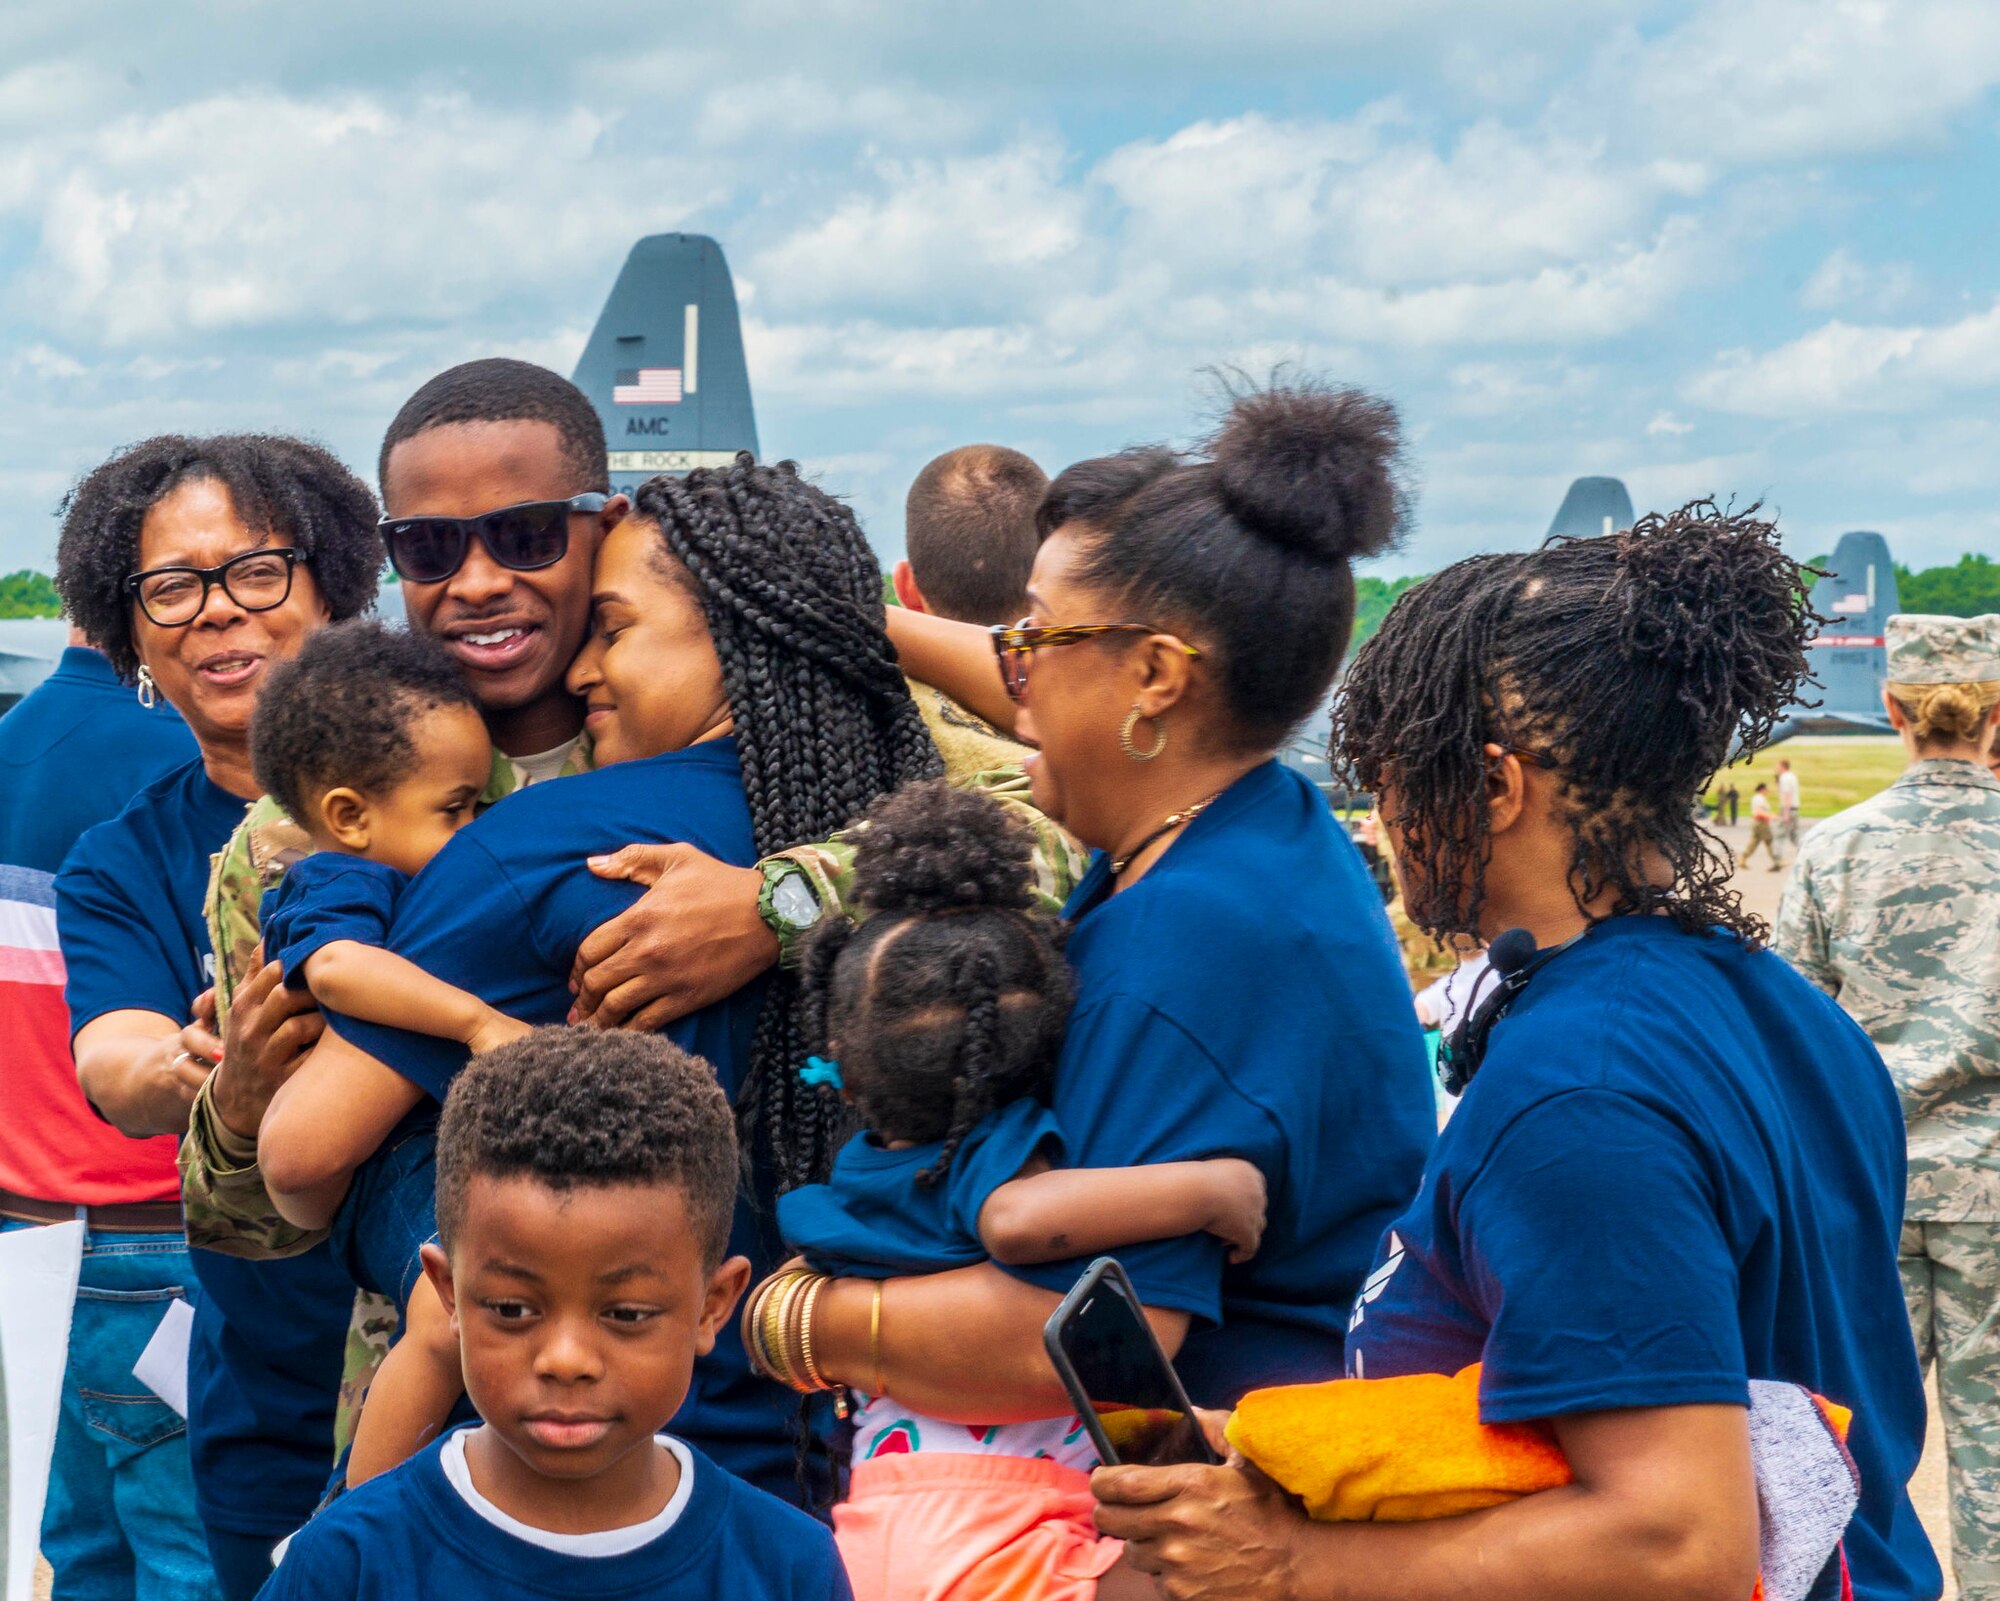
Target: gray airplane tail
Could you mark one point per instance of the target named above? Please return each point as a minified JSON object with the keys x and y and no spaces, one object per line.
{"x":1593,"y":506}
{"x":664,"y":366}
{"x":1850,"y":656}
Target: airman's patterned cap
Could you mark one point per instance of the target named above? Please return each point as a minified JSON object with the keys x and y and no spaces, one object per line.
{"x":1943,"y":650}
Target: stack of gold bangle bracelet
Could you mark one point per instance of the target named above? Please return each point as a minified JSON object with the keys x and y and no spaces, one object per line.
{"x":778,"y":1331}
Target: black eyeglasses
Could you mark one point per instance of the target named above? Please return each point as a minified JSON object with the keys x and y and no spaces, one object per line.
{"x":523,"y":538}
{"x":173,"y":597}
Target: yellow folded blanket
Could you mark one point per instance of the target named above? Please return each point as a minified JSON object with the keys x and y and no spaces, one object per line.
{"x":1400,"y":1450}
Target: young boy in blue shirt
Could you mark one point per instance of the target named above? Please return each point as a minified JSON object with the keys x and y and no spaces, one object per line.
{"x":585,"y":1187}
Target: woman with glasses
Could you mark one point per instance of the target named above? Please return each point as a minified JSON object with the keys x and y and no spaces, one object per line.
{"x":194,"y":564}
{"x":1677,"y":1168}
{"x":1238,"y":990}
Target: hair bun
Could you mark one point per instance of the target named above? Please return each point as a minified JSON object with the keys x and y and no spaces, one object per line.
{"x":1314,"y":469}
{"x":929,"y":847}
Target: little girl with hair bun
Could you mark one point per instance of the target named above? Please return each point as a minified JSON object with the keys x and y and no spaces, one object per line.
{"x":938,"y":1019}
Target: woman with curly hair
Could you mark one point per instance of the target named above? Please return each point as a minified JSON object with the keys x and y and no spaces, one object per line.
{"x":194,"y":565}
{"x":1677,"y":1168}
{"x":742,"y":698}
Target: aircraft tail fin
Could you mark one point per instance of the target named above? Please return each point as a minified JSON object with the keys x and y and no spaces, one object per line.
{"x":665,"y":367}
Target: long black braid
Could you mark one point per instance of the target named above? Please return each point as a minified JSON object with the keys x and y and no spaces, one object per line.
{"x":950,"y":1000}
{"x":1636,"y":662}
{"x":824,"y":721}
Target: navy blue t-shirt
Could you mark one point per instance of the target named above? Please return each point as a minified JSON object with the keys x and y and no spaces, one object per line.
{"x":410,"y":1533}
{"x":1246,"y":998}
{"x":324,"y":897}
{"x":871,"y":1219}
{"x":1680,"y":1168}
{"x":500,"y":912}
{"x":88,"y":731}
{"x":265,"y":1356}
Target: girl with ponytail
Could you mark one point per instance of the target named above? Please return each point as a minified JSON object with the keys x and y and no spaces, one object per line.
{"x":1676,"y":1169}
{"x":1238,"y":990}
{"x":938,"y":1021}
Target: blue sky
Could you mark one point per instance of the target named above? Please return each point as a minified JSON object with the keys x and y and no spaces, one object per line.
{"x":1743,"y":248}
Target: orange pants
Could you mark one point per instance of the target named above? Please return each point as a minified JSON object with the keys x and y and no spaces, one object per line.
{"x":940,"y":1526}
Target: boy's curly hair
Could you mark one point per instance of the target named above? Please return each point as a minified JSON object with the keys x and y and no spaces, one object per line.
{"x":579,"y":1106}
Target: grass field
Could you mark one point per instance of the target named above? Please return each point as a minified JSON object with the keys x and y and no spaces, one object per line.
{"x":1834,"y":771}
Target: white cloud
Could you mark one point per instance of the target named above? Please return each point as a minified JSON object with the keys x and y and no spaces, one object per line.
{"x":934,"y":235}
{"x":253,"y":210}
{"x":1850,"y":367}
{"x":1666,"y":423}
{"x":1751,"y":81}
{"x":1840,"y":280}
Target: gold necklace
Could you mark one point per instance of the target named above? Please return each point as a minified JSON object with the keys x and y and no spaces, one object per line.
{"x":1173,"y":821}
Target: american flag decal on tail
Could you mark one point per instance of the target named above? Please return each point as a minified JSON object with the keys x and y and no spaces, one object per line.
{"x":647,"y":386}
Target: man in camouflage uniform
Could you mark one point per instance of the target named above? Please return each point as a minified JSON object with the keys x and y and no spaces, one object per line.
{"x":1894,"y":909}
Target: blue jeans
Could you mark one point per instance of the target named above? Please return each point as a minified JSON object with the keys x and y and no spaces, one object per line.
{"x":390,"y":1214}
{"x":120,"y":1523}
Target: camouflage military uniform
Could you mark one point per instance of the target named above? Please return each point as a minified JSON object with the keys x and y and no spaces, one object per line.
{"x":1894,"y":909}
{"x":976,"y":757}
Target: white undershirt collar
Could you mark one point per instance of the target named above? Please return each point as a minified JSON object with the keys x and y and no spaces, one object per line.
{"x":604,"y":1543}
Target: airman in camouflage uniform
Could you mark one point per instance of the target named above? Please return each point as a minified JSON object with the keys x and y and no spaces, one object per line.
{"x":1894,"y":909}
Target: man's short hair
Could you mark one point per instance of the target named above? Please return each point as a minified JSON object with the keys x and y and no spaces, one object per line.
{"x":500,"y":389}
{"x":969,"y":525}
{"x":581,"y":1106}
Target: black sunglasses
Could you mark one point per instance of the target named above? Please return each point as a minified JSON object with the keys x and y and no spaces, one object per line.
{"x":534,"y":534}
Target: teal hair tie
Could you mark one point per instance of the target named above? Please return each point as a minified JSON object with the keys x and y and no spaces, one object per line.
{"x":818,"y":1070}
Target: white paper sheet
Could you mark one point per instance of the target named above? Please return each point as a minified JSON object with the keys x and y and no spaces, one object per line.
{"x":38,"y":1273}
{"x":163,"y":1366}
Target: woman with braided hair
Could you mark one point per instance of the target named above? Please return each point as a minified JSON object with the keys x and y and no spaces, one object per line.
{"x":742,"y":697}
{"x":1676,"y":1169}
{"x":824,"y":722}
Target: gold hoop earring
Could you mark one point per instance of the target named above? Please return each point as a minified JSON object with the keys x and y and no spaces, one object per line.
{"x":1125,"y":736}
{"x":149,"y":692}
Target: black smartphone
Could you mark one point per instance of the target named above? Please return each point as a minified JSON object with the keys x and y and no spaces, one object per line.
{"x":1125,"y":1389}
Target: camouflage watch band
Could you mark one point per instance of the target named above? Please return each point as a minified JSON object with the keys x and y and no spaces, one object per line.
{"x":788,"y":903}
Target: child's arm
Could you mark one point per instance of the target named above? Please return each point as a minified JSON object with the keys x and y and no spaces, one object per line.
{"x":1047,"y":1214}
{"x":378,"y":986}
{"x":412,"y":1395}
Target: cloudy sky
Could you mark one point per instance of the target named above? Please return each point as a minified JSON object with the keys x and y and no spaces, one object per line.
{"x":1745,"y":247}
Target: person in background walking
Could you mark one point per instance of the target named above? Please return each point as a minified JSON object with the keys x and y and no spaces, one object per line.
{"x":1894,"y":909}
{"x":120,"y":1519}
{"x":1788,"y":804}
{"x":1733,"y":797}
{"x":1761,"y":818}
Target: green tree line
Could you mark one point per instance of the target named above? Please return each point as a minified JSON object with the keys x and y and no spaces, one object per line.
{"x":28,"y":594}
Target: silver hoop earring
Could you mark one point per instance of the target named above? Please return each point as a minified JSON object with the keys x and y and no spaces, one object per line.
{"x":149,"y":692}
{"x":1125,"y":736}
